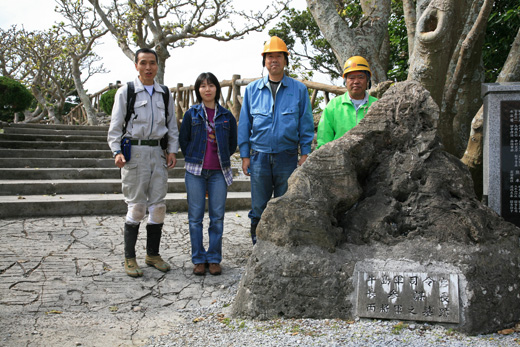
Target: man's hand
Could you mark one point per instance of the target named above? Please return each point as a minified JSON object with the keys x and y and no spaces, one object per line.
{"x":171,"y":160}
{"x":245,"y":166}
{"x":302,"y":159}
{"x":120,"y":160}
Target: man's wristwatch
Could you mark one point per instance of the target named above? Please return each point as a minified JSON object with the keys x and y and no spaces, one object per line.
{"x":116,"y":153}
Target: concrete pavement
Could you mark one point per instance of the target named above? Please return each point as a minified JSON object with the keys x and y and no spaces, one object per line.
{"x":62,"y":281}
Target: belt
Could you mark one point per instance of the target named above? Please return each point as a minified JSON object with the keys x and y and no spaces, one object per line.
{"x":145,"y":142}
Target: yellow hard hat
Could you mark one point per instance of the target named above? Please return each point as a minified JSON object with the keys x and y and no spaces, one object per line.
{"x":356,"y":63}
{"x":275,"y":44}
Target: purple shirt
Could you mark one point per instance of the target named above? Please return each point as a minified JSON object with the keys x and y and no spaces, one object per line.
{"x":211,"y":161}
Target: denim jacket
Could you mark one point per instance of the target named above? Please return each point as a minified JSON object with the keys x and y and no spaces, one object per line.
{"x":193,"y":135}
{"x":273,"y":127}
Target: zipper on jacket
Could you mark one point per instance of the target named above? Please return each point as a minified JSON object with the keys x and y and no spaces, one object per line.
{"x":151,"y":107}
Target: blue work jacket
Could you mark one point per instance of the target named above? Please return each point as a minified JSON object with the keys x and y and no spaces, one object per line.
{"x":193,"y":135}
{"x":274,"y":127}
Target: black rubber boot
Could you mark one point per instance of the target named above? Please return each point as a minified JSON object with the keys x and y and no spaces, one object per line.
{"x":131,"y":231}
{"x":153,"y":238}
{"x":153,"y":241}
{"x":130,"y":236}
{"x":253,"y":233}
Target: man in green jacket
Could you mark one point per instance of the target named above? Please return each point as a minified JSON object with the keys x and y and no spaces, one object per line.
{"x":345,"y":111}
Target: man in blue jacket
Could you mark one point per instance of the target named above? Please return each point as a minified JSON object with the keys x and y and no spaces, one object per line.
{"x":275,"y":119}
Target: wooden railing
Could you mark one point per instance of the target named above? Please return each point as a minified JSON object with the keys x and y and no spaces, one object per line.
{"x":185,"y":97}
{"x":78,"y":115}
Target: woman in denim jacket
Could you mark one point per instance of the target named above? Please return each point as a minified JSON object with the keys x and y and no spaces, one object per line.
{"x":208,"y":138}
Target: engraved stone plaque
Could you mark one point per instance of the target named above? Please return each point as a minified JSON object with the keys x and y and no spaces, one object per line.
{"x":408,"y":296}
{"x":501,"y":151}
{"x":510,"y":160}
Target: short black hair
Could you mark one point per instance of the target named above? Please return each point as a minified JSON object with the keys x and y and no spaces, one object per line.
{"x":207,"y":76}
{"x":145,"y":50}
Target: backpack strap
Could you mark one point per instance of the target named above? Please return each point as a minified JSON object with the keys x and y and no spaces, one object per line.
{"x":130,"y":101}
{"x":166,"y":99}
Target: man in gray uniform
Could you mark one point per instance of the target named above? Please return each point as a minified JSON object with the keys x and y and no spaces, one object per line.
{"x":145,"y":174}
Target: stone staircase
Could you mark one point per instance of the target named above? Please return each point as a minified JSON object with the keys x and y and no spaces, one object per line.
{"x":64,"y":170}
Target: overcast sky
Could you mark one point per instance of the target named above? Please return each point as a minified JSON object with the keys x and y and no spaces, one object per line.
{"x":222,"y":58}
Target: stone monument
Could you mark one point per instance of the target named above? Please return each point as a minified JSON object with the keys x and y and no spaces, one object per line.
{"x":382,"y":223}
{"x":501,"y":188}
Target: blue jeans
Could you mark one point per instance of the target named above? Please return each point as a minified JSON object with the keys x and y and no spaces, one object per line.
{"x":269,"y":173}
{"x":214,"y":183}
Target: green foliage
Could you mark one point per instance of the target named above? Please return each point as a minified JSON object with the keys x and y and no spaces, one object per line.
{"x":107,"y":101}
{"x":398,"y":69}
{"x":503,"y":24}
{"x":14,"y":97}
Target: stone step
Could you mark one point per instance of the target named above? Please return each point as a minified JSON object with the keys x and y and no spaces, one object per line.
{"x":55,"y":153}
{"x":73,"y":173}
{"x":43,"y":131}
{"x":5,"y":125}
{"x":95,"y":186}
{"x":60,"y":145}
{"x":65,"y":163}
{"x":62,"y":170}
{"x":96,"y":204}
{"x":62,"y":163}
{"x":62,"y":153}
{"x":53,"y":138}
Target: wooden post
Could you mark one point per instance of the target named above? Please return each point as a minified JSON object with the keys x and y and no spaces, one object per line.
{"x":313,"y":97}
{"x":236,"y":92}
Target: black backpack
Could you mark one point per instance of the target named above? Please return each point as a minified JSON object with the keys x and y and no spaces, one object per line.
{"x":130,"y":102}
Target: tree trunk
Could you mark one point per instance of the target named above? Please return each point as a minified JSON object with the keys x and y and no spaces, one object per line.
{"x":76,"y":75}
{"x":366,"y":40}
{"x":49,"y":109}
{"x":447,"y":61}
{"x":410,"y":19}
{"x":465,"y":75}
{"x":434,"y":44}
{"x":473,"y":155}
{"x":34,"y":117}
{"x":511,"y":70}
{"x":163,"y":54}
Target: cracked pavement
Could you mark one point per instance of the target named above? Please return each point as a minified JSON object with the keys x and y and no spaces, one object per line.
{"x":62,"y":280}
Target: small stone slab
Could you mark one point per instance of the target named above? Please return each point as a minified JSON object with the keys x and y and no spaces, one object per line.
{"x":408,"y":296}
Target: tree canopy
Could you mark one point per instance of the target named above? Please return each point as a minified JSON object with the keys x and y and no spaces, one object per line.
{"x":170,"y":24}
{"x":311,"y":52}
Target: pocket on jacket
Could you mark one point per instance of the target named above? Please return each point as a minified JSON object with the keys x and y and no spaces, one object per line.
{"x":223,"y":126}
{"x":290,"y":112}
{"x":262,"y":121}
{"x":161,"y":107}
{"x":140,"y":112}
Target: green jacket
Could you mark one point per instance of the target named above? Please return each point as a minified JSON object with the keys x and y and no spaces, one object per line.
{"x":338,"y":117}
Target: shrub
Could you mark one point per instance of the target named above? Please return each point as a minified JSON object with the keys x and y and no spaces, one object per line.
{"x":107,"y":101}
{"x":14,"y":97}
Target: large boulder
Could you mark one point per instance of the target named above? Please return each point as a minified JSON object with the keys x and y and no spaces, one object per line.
{"x":383,"y":197}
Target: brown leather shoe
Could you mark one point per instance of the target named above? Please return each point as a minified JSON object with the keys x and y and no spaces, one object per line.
{"x":199,"y":269}
{"x":215,"y":269}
